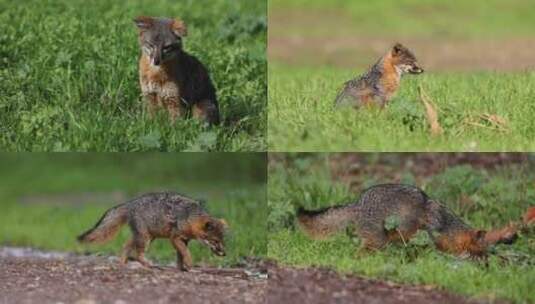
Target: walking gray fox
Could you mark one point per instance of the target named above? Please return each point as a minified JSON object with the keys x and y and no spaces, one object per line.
{"x":414,"y":211}
{"x":169,"y":76}
{"x":379,"y":84}
{"x":160,"y":215}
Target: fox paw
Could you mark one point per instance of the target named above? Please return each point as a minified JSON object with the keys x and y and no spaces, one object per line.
{"x":184,"y":268}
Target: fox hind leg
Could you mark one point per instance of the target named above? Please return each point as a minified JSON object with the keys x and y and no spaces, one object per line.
{"x":373,"y":240}
{"x":127,"y":249}
{"x":206,"y":110}
{"x":140,"y":241}
{"x":140,"y":246}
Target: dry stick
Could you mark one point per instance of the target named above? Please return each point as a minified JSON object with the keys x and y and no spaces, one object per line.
{"x":431,"y":113}
{"x":402,"y":238}
{"x":223,"y":271}
{"x":475,"y":124}
{"x":496,"y":121}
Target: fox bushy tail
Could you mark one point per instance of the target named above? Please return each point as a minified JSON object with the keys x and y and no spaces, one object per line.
{"x":107,"y":227}
{"x":322,"y":223}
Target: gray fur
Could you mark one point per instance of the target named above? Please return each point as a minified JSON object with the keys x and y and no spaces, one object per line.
{"x":370,"y":84}
{"x":159,"y":42}
{"x":412,"y":207}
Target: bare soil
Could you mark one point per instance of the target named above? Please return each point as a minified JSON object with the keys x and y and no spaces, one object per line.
{"x":87,"y":279}
{"x":335,"y":44}
{"x":319,"y":285}
{"x":510,"y":54}
{"x":355,"y":168}
{"x":64,"y":278}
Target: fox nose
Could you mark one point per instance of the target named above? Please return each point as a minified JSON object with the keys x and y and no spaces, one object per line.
{"x":417,"y":70}
{"x":156,"y":61}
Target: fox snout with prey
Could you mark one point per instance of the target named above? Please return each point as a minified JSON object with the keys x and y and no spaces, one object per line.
{"x":380,"y":83}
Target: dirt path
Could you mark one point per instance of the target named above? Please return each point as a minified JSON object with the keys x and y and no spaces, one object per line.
{"x":510,"y":54}
{"x":355,"y":169}
{"x":60,"y":278}
{"x":342,"y":47}
{"x":312,"y":285}
{"x":75,"y":279}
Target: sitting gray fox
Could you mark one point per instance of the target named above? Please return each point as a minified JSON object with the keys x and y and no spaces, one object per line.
{"x":160,"y":215}
{"x":169,"y":76}
{"x":379,"y":84}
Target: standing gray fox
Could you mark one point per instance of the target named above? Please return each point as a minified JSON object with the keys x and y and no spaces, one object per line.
{"x":379,"y":84}
{"x":169,"y":76}
{"x":160,"y":215}
{"x":414,"y":211}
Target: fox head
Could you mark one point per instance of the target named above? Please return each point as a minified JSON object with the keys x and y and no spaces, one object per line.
{"x":404,"y":60}
{"x":471,"y":242}
{"x":160,"y":39}
{"x":476,"y":245}
{"x":210,"y":232}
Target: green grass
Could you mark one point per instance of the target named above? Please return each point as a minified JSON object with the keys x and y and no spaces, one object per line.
{"x":429,"y":18}
{"x":69,"y":76}
{"x":233,"y":185}
{"x":496,"y":197}
{"x":303,"y":118}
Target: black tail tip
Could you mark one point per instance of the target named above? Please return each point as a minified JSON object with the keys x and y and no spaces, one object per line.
{"x":301,"y":211}
{"x":304,"y":212}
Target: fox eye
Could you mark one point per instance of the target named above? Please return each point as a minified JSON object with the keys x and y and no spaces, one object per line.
{"x":168,"y":48}
{"x":209,"y":226}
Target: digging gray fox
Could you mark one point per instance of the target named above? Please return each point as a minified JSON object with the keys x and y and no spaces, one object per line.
{"x":414,"y":211}
{"x":160,"y":215}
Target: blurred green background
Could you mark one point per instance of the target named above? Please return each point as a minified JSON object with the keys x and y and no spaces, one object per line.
{"x":47,"y":199}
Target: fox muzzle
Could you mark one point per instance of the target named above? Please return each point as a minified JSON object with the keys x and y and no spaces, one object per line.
{"x":216,"y":247}
{"x":156,"y":60}
{"x":416,"y":70}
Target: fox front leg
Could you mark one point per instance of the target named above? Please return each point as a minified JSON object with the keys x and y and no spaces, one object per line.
{"x":183,"y":257}
{"x":175,"y":107}
{"x":151,"y":100}
{"x":140,"y":242}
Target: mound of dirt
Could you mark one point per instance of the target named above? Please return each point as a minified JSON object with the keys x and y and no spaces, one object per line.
{"x":103,"y":280}
{"x":313,"y":285}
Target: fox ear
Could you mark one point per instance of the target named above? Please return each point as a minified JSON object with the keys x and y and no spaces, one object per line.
{"x":397,"y":48}
{"x":143,"y":22}
{"x":179,"y":28}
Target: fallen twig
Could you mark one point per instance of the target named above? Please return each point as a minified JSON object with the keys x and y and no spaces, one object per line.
{"x":431,"y":113}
